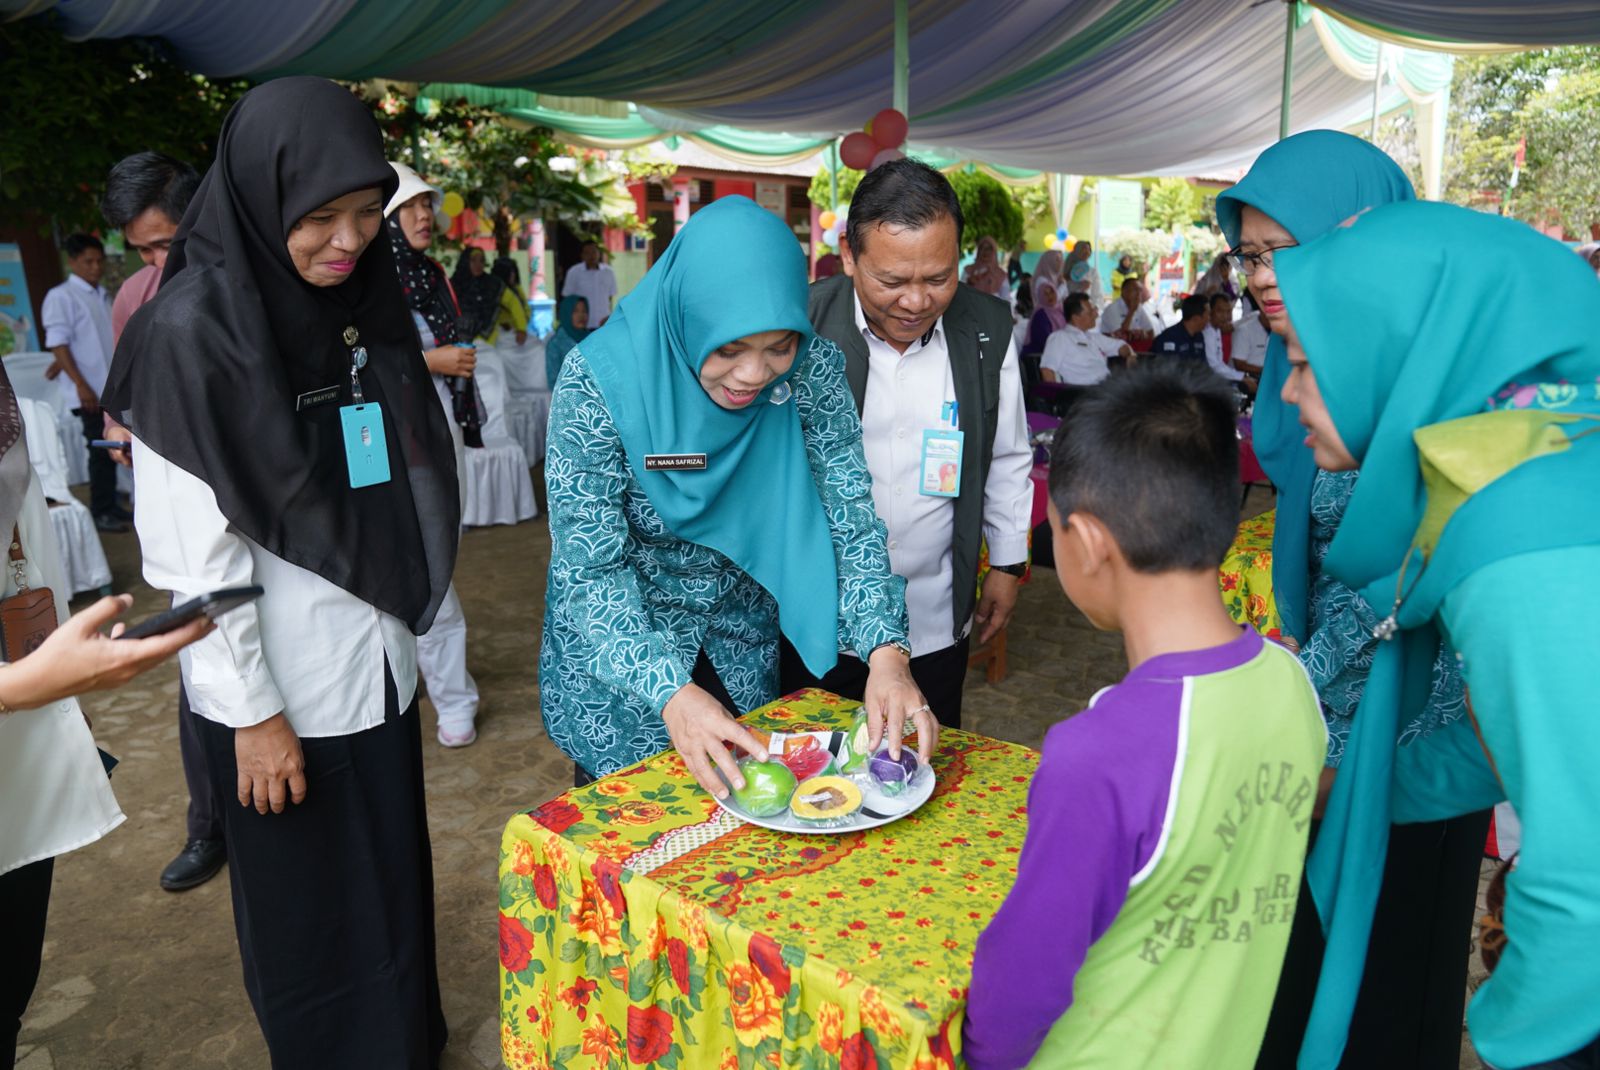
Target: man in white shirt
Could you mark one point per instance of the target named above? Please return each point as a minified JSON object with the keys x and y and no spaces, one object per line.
{"x":1219,"y":325}
{"x":1125,"y":317}
{"x":934,"y":372}
{"x":1077,"y":354}
{"x":1250,"y":338}
{"x":77,"y":323}
{"x":592,"y":281}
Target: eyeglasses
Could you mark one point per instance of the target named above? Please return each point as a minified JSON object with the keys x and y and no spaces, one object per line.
{"x":1247,"y":264}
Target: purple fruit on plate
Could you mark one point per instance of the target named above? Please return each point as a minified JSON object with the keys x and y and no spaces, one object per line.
{"x":893,"y":774}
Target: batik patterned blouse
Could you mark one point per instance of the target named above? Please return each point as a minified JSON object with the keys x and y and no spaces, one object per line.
{"x":1339,"y":653}
{"x":629,"y":606}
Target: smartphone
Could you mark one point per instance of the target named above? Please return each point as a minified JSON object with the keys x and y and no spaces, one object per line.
{"x":108,"y":444}
{"x":212,"y":605}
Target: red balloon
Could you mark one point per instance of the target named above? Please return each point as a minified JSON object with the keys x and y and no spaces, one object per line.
{"x":884,"y":156}
{"x":857,"y":151}
{"x":889,"y":129}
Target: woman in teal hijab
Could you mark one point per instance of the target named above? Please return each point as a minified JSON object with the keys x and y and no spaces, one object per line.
{"x":708,"y":490}
{"x":1409,"y":1013}
{"x":572,"y":327}
{"x":1472,"y":407}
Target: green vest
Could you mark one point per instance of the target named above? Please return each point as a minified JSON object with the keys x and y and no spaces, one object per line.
{"x":1185,"y":976}
{"x":977,"y":330}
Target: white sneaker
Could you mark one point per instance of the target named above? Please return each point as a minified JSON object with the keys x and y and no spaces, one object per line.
{"x":455,"y":738}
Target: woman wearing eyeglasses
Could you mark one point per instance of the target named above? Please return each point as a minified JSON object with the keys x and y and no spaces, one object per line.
{"x":1408,"y":1012}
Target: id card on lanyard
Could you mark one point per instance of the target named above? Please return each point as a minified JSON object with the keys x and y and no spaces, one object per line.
{"x":366,"y":447}
{"x":941,"y":454}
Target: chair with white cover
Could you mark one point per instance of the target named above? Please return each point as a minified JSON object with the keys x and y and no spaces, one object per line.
{"x":26,"y":372}
{"x":82,"y":556}
{"x":498,"y":487}
{"x":522,"y":367}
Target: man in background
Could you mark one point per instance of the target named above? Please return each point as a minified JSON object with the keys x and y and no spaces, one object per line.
{"x":1186,"y":338}
{"x":594,"y":282}
{"x":146,"y":196}
{"x":1077,"y":355}
{"x":1126,"y":318}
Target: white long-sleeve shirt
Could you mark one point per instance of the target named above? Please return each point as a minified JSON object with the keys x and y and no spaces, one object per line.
{"x":1078,"y":357}
{"x":905,"y":395}
{"x":1250,"y":338}
{"x":306,"y":648}
{"x":78,"y":316}
{"x":597,"y":286}
{"x":1213,"y":340}
{"x":1117,"y":311}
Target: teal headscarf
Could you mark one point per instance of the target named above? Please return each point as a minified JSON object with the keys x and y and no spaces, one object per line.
{"x":1309,"y":184}
{"x":565,"y":337}
{"x":1388,"y":365}
{"x":734,"y":269}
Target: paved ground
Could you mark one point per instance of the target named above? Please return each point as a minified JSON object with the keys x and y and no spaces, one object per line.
{"x":139,"y":979}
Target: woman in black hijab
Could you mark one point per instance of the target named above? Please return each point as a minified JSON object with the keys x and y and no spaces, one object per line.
{"x":288,"y":436}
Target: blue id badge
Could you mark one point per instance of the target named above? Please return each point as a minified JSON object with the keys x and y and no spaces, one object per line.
{"x":366,"y":450}
{"x":941,"y":463}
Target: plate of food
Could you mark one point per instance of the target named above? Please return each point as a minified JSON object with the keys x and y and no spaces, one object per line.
{"x":829,"y":782}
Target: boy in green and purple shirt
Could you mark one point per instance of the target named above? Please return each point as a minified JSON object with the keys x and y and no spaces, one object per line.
{"x":1167,"y":823}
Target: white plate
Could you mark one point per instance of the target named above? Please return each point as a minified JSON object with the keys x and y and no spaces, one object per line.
{"x":889,"y":808}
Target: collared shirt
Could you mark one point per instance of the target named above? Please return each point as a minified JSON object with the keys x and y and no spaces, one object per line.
{"x":1117,"y":311}
{"x":1176,"y":341}
{"x":1077,"y":356}
{"x":78,"y":316}
{"x":307,"y":648}
{"x":1212,"y":337}
{"x":597,"y":286}
{"x":1250,"y":338}
{"x":905,"y":395}
{"x":132,"y":295}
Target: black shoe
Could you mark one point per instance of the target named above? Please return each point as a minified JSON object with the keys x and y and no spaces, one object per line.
{"x":117,"y":512}
{"x":107,"y":522}
{"x":197,"y":863}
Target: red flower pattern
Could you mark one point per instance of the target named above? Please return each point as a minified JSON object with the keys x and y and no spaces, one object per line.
{"x":649,"y":1034}
{"x":857,"y":1054}
{"x":516,"y":944}
{"x":678,"y":962}
{"x":544,"y":885}
{"x":557,"y":815}
{"x":767,"y":956}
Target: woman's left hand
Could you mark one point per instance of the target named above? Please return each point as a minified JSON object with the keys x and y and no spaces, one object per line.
{"x":891,"y":698}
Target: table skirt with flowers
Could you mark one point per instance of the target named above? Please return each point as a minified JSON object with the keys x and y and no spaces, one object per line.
{"x":1246,"y":576}
{"x":641,"y":926}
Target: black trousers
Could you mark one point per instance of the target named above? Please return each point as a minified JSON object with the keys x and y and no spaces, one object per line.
{"x":333,"y":902}
{"x":203,"y":820}
{"x":102,"y":469}
{"x":939,"y":676}
{"x":702,"y":674}
{"x":24,"y":906}
{"x":1408,"y":1012}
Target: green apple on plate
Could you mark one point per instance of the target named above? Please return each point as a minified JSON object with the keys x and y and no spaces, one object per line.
{"x":768,"y":786}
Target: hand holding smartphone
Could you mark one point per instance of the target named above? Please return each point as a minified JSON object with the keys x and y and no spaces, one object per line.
{"x":213,"y":605}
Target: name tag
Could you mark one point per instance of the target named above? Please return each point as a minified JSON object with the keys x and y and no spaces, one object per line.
{"x":941,"y":463}
{"x":312,"y":398}
{"x":675,"y":462}
{"x":366,"y":449}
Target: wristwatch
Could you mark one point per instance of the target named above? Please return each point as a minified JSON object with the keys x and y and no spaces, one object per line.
{"x":900,"y":645}
{"x":1017,"y":569}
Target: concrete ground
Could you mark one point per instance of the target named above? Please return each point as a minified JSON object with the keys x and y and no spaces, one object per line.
{"x":136,"y":978}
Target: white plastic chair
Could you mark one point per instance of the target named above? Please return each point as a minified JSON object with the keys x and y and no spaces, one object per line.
{"x":26,"y":371}
{"x":499,"y":489}
{"x":82,"y":556}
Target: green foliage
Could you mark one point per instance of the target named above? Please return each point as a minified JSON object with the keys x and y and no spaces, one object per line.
{"x":988,"y":209}
{"x":821,"y":191}
{"x":1034,"y":201}
{"x":1171,"y":205}
{"x":1204,"y":244}
{"x":1563,"y":128}
{"x":76,"y":109}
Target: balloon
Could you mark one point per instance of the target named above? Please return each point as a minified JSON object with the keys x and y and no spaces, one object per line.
{"x":831,"y":236}
{"x":826,"y":220}
{"x":857,"y":150}
{"x":888,"y":128}
{"x":1050,"y":241}
{"x":452,"y":203}
{"x":886,"y":156}
{"x":441,"y":222}
{"x":1069,"y":240}
{"x":1061,"y":235}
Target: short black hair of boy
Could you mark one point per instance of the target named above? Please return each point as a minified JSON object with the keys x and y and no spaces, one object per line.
{"x":1074,"y":304}
{"x":148,"y":180}
{"x":901,"y":193}
{"x":1152,"y":452}
{"x":1194,"y":305}
{"x":75,"y":245}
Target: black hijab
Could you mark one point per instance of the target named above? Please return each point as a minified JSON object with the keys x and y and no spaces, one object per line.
{"x":209,"y":372}
{"x":422,"y":281}
{"x":479,"y":296}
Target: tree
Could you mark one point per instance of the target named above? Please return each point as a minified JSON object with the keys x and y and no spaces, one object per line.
{"x":1171,"y":205}
{"x":987,"y":209}
{"x":78,"y":108}
{"x":821,"y":191}
{"x":1562,"y":124}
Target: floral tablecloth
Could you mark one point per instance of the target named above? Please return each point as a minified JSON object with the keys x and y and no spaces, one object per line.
{"x":640,"y":925}
{"x":1247,"y":576}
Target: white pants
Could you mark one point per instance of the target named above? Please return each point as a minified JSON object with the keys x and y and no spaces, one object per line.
{"x":442,"y":657}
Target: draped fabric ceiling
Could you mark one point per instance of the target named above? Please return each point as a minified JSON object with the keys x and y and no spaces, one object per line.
{"x":1087,"y":87}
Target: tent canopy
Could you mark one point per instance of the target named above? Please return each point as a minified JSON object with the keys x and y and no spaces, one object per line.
{"x":1090,"y":87}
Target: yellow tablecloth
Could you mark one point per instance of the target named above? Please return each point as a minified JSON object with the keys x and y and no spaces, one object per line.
{"x":642,"y":926}
{"x":1247,"y":576}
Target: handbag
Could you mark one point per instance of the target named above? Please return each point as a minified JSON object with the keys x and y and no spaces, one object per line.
{"x":28,"y":617}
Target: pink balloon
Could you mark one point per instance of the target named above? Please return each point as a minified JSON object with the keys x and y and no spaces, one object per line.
{"x":857,"y":151}
{"x":885,"y":156}
{"x":889,"y":129}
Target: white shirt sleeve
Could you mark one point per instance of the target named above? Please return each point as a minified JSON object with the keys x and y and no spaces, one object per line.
{"x":189,"y":549}
{"x":1111,"y":318}
{"x":1214,"y":356}
{"x":56,"y":315}
{"x":1108,"y":347}
{"x":1008,"y":494}
{"x":1142,"y":321}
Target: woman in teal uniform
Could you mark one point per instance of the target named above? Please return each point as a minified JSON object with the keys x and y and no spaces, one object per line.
{"x":1473,"y":414}
{"x":708,"y":490}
